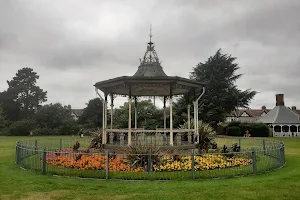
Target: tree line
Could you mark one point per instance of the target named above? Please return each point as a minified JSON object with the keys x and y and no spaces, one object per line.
{"x":23,"y":109}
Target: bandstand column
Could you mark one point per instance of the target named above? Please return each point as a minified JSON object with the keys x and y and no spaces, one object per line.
{"x":111,"y":110}
{"x":171,"y":116}
{"x":195,"y":120}
{"x":103,"y":122}
{"x":129,"y":117}
{"x":165,"y":114}
{"x":189,"y":122}
{"x":105,"y":119}
{"x":135,"y":112}
{"x":171,"y":121}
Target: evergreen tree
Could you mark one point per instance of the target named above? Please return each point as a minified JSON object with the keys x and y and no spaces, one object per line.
{"x":221,"y":93}
{"x":23,"y":89}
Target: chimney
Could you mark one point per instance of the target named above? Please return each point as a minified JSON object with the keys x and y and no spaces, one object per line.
{"x":294,"y":108}
{"x":263,"y":108}
{"x":279,"y":100}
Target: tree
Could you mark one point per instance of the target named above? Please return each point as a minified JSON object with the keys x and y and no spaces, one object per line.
{"x":2,"y":118}
{"x":23,"y":89}
{"x":221,"y":93}
{"x":11,"y":109}
{"x":92,"y":114}
{"x":149,"y":117}
{"x":55,"y":118}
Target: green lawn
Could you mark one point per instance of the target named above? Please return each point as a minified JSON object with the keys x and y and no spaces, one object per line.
{"x":16,"y":183}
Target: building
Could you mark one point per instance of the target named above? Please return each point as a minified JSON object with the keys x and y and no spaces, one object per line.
{"x":285,"y":122}
{"x":76,"y":113}
{"x":252,"y":115}
{"x":246,"y":115}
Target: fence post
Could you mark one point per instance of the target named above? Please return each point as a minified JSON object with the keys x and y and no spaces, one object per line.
{"x":150,"y":163}
{"x":44,"y":162}
{"x":17,"y":153}
{"x":240,"y":142}
{"x":107,"y":165}
{"x":60,"y":144}
{"x":264,"y":146}
{"x":254,"y":162}
{"x":35,"y":146}
{"x":193,"y":164}
{"x":282,"y":156}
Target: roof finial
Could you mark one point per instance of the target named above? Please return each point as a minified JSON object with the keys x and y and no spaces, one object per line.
{"x":150,"y":43}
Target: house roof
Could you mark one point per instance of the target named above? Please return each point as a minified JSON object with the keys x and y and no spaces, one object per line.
{"x":250,"y":112}
{"x":280,"y":115}
{"x":77,"y":112}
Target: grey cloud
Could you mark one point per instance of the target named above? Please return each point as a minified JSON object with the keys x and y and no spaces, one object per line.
{"x":72,"y":44}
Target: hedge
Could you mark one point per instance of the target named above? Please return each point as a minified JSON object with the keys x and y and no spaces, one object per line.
{"x":255,"y":129}
{"x":233,"y":131}
{"x":22,"y":128}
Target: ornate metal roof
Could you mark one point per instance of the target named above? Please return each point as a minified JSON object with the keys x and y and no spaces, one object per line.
{"x":149,"y":80}
{"x":150,"y":65}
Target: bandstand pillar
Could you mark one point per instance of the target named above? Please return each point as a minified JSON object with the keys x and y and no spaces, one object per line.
{"x":171,"y":117}
{"x":165,"y":114}
{"x":105,"y":119}
{"x":111,"y":110}
{"x":195,"y":121}
{"x":135,"y":112}
{"x":129,"y":117}
{"x":189,"y":123}
{"x":171,"y":121}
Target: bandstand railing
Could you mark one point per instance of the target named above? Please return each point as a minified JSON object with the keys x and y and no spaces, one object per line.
{"x":159,"y":137}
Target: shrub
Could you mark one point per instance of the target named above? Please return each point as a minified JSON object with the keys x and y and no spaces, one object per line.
{"x":259,"y":130}
{"x":139,"y":156}
{"x":22,"y":128}
{"x":4,"y":131}
{"x":206,"y":134}
{"x":233,"y":131}
{"x":96,"y":142}
{"x":255,"y":129}
{"x":45,"y":131}
{"x":234,"y":123}
{"x":68,"y":128}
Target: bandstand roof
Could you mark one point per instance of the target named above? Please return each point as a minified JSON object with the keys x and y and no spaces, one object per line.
{"x":149,"y":80}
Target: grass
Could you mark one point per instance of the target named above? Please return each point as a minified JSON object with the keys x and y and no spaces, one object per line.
{"x":16,"y":183}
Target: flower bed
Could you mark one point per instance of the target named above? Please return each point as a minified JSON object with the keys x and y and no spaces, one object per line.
{"x":96,"y":161}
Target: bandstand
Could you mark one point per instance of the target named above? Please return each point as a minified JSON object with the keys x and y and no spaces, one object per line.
{"x":150,"y":80}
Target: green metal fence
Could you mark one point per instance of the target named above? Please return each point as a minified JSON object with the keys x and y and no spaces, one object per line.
{"x":57,"y":157}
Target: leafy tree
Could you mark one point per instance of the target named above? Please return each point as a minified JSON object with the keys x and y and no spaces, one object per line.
{"x":2,"y":118}
{"x":23,"y":89}
{"x":11,"y":109}
{"x":221,"y":92}
{"x":149,"y":117}
{"x":56,"y":118}
{"x":92,"y":114}
{"x":53,"y":115}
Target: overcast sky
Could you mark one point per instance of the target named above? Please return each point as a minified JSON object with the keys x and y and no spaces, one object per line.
{"x":74,"y":44}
